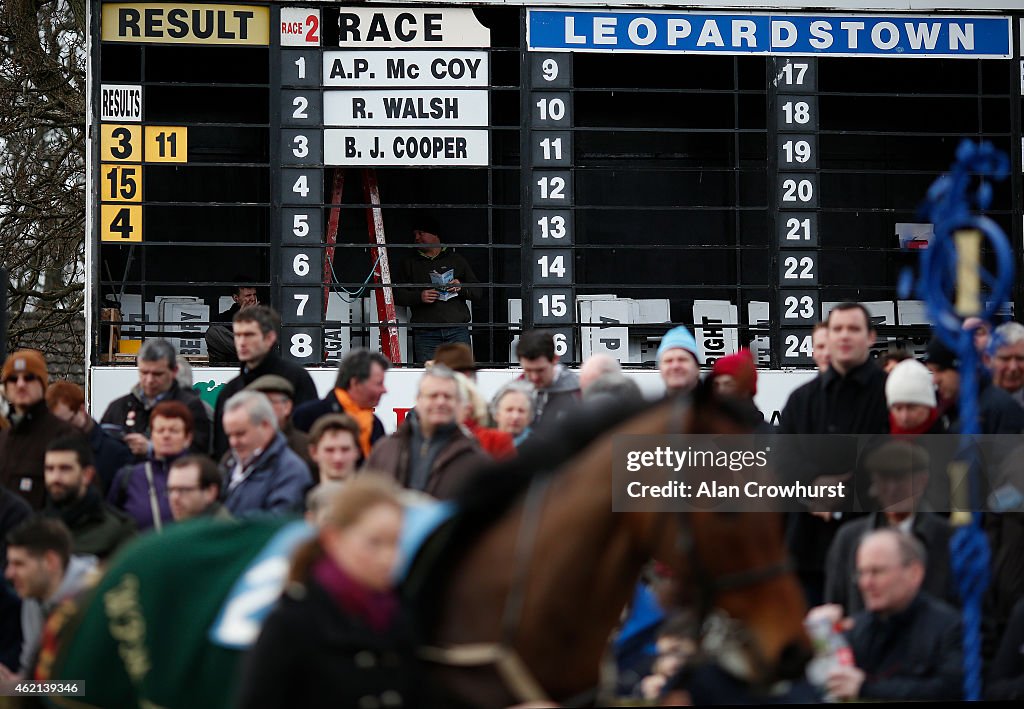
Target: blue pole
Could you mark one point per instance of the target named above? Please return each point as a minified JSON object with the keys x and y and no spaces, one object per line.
{"x":948,"y":206}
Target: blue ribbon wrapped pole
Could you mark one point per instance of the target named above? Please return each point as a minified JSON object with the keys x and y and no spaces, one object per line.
{"x":944,"y":274}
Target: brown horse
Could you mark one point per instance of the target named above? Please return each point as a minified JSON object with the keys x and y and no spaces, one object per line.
{"x":522,"y":599}
{"x":525,"y":611}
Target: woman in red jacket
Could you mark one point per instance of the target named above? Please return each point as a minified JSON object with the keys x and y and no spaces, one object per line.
{"x":497,"y":444}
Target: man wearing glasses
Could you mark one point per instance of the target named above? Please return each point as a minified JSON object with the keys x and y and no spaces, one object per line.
{"x":23,"y":445}
{"x":193,"y":487}
{"x":905,"y":643}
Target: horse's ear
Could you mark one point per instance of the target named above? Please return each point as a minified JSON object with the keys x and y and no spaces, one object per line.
{"x":706,"y":402}
{"x":704,"y":393}
{"x":691,"y":409}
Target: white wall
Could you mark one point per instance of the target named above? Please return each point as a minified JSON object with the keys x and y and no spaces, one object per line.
{"x":109,"y":383}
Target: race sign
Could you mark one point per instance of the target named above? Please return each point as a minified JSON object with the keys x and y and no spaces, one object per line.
{"x":429,"y":88}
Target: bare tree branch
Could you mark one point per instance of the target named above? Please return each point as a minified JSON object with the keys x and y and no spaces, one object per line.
{"x":42,"y":171}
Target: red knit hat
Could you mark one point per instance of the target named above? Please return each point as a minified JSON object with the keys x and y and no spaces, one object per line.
{"x":739,"y":366}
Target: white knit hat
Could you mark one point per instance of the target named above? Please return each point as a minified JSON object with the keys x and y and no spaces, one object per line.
{"x":910,"y":382}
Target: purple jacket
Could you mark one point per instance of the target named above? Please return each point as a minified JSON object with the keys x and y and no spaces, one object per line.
{"x":130,"y":492}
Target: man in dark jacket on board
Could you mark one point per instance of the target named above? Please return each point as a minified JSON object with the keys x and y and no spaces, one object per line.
{"x":435,"y":288}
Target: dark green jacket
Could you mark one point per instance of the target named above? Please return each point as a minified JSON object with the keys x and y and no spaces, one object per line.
{"x":145,"y":638}
{"x":96,"y":527}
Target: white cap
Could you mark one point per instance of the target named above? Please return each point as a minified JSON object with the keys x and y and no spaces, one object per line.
{"x":910,"y":382}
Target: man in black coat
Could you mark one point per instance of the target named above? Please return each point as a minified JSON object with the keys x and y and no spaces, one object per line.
{"x":13,"y":511}
{"x":129,"y":415}
{"x":440,"y":306}
{"x":847,"y":398}
{"x":255,"y":332}
{"x":1006,"y":674}
{"x":906,"y":645}
{"x":998,"y":413}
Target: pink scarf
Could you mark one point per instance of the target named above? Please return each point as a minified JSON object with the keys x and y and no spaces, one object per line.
{"x":376,"y":608}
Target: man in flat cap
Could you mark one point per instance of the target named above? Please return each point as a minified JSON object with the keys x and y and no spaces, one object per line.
{"x":899,"y":473}
{"x":281,"y":393}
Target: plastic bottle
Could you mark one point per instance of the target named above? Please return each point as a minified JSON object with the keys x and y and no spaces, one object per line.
{"x":830,"y":650}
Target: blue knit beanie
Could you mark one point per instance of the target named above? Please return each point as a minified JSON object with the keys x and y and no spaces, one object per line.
{"x":678,"y":337}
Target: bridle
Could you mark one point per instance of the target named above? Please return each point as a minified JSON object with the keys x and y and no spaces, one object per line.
{"x":519,"y":680}
{"x":722,"y":635}
{"x":710,"y":586}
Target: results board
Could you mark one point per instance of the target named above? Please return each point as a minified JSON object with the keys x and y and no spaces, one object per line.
{"x":607,"y":172}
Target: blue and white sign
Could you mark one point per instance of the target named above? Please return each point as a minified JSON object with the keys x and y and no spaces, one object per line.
{"x":667,"y":32}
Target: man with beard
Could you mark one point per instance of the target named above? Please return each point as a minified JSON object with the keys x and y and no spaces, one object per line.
{"x":96,"y":527}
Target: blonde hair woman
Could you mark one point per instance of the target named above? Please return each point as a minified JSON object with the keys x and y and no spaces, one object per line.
{"x":497,"y":444}
{"x":339,"y":635}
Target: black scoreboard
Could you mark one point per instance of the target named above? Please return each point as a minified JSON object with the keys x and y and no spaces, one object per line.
{"x":607,"y":172}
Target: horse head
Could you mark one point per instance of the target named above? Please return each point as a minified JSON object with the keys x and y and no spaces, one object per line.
{"x":733,"y":568}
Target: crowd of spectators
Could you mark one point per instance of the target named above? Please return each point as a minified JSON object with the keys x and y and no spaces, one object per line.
{"x":75,"y":490}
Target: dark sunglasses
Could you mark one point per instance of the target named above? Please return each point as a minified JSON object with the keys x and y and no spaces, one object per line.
{"x":27,"y":376}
